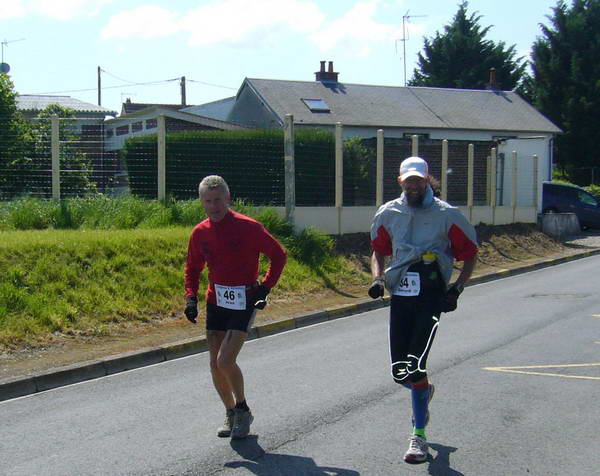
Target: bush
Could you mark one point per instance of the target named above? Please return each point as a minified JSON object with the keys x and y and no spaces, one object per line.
{"x":29,"y":214}
{"x":250,"y":160}
{"x":594,"y":190}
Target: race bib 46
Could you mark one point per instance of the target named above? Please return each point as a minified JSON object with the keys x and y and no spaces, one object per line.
{"x":231,"y":297}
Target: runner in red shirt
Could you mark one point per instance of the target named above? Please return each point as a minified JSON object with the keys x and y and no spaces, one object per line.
{"x":230,"y":244}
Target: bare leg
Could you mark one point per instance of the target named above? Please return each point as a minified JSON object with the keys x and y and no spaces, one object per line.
{"x":220,"y":381}
{"x":227,"y":365}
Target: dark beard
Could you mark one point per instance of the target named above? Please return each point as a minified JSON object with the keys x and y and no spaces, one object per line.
{"x":415,"y":201}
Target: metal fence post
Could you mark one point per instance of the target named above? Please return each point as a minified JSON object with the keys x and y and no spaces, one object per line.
{"x":444,"y":176}
{"x":493,"y":184}
{"x":289,"y":167}
{"x":535,"y":181}
{"x":415,"y":145}
{"x":470,"y":173}
{"x":514,"y":184}
{"x":379,"y":172}
{"x":339,"y":173}
{"x":488,"y":185}
{"x":162,"y":156}
{"x":55,"y":151}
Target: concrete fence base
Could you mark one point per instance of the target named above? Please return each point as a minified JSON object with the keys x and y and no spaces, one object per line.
{"x":560,"y":225}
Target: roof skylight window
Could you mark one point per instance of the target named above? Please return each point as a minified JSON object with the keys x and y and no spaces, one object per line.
{"x":316,"y":105}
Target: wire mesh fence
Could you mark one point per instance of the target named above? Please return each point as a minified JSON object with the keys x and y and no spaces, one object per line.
{"x":26,"y":159}
{"x":252,"y":162}
{"x":25,"y":165}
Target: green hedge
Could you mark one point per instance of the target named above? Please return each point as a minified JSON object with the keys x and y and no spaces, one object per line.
{"x":250,"y":160}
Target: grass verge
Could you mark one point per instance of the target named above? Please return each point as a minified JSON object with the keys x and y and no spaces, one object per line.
{"x":81,"y":282}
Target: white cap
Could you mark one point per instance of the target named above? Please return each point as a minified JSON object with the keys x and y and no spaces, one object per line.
{"x":413,"y":166}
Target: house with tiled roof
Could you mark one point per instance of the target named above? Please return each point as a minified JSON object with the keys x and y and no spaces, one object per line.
{"x":487,"y":118}
{"x":143,"y":121}
{"x":89,"y":117}
{"x":31,"y":104}
{"x":129,"y":107}
{"x":471,"y":114}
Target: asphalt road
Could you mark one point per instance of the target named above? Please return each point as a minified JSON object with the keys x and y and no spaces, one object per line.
{"x":324,"y":403}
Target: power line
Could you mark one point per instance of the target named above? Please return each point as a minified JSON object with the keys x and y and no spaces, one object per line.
{"x":132,"y":84}
{"x":212,"y":84}
{"x":112,"y":87}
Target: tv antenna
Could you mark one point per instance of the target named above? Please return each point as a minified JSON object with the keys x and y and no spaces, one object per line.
{"x":4,"y":67}
{"x":123,"y":94}
{"x":405,"y":20}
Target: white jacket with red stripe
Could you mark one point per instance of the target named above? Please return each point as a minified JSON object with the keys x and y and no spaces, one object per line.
{"x":405,"y":233}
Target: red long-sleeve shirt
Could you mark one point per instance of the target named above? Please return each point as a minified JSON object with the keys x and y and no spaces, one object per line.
{"x":231,"y":249}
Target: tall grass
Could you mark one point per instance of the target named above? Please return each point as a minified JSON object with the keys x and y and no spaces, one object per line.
{"x":99,"y":212}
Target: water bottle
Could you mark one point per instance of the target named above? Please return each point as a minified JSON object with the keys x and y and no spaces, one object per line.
{"x":431,"y":273}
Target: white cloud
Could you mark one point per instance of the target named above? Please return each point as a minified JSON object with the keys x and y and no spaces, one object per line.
{"x":219,"y":21}
{"x":356,"y":30}
{"x":255,"y":22}
{"x":11,"y":9}
{"x":147,"y":21}
{"x":54,"y":9}
{"x":239,"y":21}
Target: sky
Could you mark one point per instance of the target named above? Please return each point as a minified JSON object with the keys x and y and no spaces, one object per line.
{"x":56,"y":46}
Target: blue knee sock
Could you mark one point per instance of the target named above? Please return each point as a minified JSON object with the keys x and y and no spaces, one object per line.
{"x":420,"y":397}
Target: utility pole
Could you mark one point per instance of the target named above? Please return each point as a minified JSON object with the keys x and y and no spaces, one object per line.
{"x":182,"y":85}
{"x":99,"y":87}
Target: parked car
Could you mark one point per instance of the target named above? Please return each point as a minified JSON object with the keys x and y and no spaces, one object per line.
{"x":562,"y":198}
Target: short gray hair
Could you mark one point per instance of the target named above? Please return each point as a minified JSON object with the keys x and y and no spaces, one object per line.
{"x":212,"y":182}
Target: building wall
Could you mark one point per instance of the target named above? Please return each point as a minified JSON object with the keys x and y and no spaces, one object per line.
{"x":114,"y":140}
{"x":525,"y":149}
{"x":251,"y":111}
{"x":174,"y":125}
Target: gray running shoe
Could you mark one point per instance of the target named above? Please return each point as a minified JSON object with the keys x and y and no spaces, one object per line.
{"x":431,"y":392}
{"x":242,"y":419}
{"x":417,"y":450}
{"x":225,"y":430}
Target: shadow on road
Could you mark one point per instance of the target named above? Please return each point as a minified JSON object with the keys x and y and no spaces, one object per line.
{"x":440,"y":464}
{"x":261,"y":463}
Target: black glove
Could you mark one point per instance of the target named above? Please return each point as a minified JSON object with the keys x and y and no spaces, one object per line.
{"x":376,"y":290}
{"x":259,"y":298}
{"x":191,"y":309}
{"x":451,"y":299}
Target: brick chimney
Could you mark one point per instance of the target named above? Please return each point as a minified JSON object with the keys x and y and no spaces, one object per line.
{"x":328,"y":75}
{"x":493,"y":85}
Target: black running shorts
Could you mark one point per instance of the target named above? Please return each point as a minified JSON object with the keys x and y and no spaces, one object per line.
{"x":413,"y":324}
{"x":223,"y":319}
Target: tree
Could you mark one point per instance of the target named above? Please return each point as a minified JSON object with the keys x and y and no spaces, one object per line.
{"x":31,"y":171}
{"x":567,"y":83}
{"x":13,"y":130}
{"x":461,"y":57}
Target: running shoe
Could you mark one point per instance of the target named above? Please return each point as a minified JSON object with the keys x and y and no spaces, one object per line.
{"x":225,"y":430}
{"x":242,"y":419}
{"x":417,"y":450}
